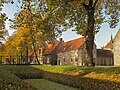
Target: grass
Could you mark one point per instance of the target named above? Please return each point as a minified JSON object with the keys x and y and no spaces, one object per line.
{"x":102,"y":73}
{"x":9,"y":81}
{"x":22,"y":71}
{"x":42,"y":84}
{"x":89,"y":78}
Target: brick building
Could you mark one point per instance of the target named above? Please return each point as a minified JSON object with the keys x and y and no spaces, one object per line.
{"x":74,"y":53}
{"x":105,"y":55}
{"x":117,"y":49}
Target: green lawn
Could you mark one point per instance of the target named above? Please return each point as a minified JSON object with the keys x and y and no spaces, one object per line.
{"x":89,"y":78}
{"x":42,"y":84}
{"x":9,"y":81}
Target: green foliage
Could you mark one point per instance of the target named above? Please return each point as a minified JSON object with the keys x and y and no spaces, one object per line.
{"x":35,"y":28}
{"x":87,"y":78}
{"x":76,"y":14}
{"x":3,"y":32}
{"x":42,"y":84}
{"x":23,"y":72}
{"x":11,"y":82}
{"x":84,"y":78}
{"x":35,"y":17}
{"x":3,"y":18}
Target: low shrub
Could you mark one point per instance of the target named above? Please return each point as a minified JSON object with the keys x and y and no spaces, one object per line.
{"x":84,"y":78}
{"x":79,"y":81}
{"x":23,"y":71}
{"x":9,"y":81}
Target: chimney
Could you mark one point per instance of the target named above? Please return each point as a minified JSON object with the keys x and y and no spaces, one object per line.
{"x":60,"y":39}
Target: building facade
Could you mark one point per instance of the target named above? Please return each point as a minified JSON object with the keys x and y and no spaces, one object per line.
{"x":74,"y":53}
{"x":50,"y":55}
{"x":105,"y":55}
{"x":117,"y":49}
{"x":104,"y":58}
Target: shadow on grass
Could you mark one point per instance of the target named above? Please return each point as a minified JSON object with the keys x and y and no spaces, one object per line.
{"x":99,"y":70}
{"x":78,"y":81}
{"x":9,"y":81}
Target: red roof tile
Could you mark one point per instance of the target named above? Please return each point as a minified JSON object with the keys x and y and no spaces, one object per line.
{"x":51,"y":47}
{"x":73,"y":44}
{"x":109,"y":44}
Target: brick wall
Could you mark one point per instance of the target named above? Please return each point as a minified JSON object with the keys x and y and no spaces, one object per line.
{"x":117,"y":49}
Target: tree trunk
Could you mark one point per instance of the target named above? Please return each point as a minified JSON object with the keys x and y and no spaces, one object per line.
{"x":17,"y":58}
{"x":35,"y":54}
{"x":31,"y":32}
{"x":10,"y":61}
{"x":21,"y":59}
{"x":0,"y":59}
{"x":26,"y":59}
{"x":33,"y":44}
{"x":90,"y":35}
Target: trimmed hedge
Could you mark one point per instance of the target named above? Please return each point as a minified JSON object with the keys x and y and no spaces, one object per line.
{"x":23,"y":71}
{"x":9,"y":81}
{"x":85,"y":78}
{"x":79,"y":81}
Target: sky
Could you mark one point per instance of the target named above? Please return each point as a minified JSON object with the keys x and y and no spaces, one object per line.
{"x":101,"y":38}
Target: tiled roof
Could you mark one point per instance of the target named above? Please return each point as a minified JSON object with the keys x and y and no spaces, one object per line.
{"x":109,"y":44}
{"x":73,"y":44}
{"x":51,"y":47}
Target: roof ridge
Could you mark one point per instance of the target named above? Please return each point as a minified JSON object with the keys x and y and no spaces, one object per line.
{"x":74,"y":39}
{"x":72,"y":44}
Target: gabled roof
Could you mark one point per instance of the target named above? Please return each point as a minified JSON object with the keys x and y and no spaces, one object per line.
{"x":109,"y":44}
{"x":73,"y":44}
{"x":51,"y":47}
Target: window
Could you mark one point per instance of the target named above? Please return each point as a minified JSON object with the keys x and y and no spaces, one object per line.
{"x":71,"y":59}
{"x":76,"y":58}
{"x":63,"y":59}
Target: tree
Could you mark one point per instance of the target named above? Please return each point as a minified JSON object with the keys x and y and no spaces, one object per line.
{"x":18,"y":44}
{"x":2,"y":22}
{"x":86,"y":17}
{"x":41,"y":29}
